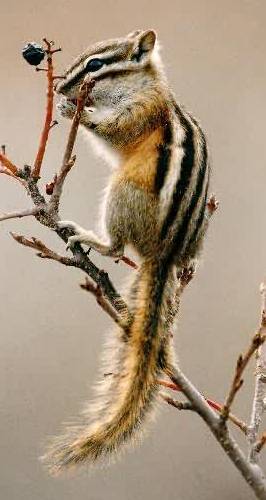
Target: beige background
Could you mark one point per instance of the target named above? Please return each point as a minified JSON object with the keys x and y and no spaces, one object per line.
{"x":51,"y":331}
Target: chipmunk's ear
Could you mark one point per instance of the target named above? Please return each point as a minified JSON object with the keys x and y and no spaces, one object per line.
{"x":145,"y":41}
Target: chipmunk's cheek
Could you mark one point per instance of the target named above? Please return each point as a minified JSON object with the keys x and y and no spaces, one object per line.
{"x":100,"y":114}
{"x":66,"y":107}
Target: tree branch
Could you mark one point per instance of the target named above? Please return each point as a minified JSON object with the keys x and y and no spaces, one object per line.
{"x":213,"y":404}
{"x":49,"y":110}
{"x":260,"y":443}
{"x":252,"y":474}
{"x":69,"y":160}
{"x":114,"y":305}
{"x":258,"y":406}
{"x":20,"y":213}
{"x":43,"y":251}
{"x":237,"y":382}
{"x":47,"y":212}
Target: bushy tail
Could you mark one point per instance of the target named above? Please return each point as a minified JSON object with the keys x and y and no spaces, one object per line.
{"x":133,"y":388}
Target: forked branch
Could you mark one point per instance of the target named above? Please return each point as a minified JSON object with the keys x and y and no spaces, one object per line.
{"x":49,"y":109}
{"x":237,"y":382}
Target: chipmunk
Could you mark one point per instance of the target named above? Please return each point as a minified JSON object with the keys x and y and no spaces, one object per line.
{"x":156,"y":203}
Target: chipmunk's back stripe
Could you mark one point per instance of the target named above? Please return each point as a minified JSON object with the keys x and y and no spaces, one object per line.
{"x":179,"y":247}
{"x":164,"y":157}
{"x":185,"y":172}
{"x":194,"y":236}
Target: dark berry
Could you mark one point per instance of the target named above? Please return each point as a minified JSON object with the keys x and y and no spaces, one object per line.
{"x":33,"y":53}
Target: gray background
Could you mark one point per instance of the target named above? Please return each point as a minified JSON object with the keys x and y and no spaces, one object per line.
{"x":51,"y":331}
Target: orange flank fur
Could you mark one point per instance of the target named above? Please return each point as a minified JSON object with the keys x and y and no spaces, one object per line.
{"x":140,"y":162}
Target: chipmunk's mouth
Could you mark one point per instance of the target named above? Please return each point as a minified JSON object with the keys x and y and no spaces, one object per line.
{"x":73,"y":100}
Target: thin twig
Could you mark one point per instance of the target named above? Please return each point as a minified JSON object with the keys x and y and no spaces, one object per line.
{"x":260,"y":443}
{"x":49,"y":111}
{"x":179,"y":405}
{"x":68,"y":159}
{"x":5,"y":162}
{"x":82,"y":262}
{"x":258,"y":407}
{"x":213,"y":404}
{"x":237,"y":381}
{"x":43,"y":251}
{"x":4,"y":170}
{"x":96,"y":290}
{"x":129,"y":262}
{"x":21,"y":213}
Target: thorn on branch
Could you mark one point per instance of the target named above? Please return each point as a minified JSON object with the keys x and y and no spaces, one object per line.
{"x":185,"y":276}
{"x":48,"y":44}
{"x":169,"y":385}
{"x":53,"y":124}
{"x":53,"y":51}
{"x":59,"y":77}
{"x":179,"y":405}
{"x":49,"y":188}
{"x":260,"y":443}
{"x":127,"y":261}
{"x":212,"y":205}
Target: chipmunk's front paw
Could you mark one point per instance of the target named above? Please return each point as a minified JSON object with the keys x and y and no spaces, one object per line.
{"x":66,"y":108}
{"x":72,"y":240}
{"x":80,"y":235}
{"x":90,"y":239}
{"x":68,"y":224}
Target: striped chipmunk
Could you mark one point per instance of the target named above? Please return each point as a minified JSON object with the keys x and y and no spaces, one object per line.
{"x":155,"y":202}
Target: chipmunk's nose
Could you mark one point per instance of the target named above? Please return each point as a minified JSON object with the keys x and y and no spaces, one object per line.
{"x":55,"y":86}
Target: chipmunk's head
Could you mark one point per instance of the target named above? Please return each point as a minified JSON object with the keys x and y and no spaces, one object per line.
{"x":116,"y":65}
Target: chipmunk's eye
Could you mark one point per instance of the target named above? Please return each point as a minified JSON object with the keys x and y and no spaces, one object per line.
{"x":94,"y":65}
